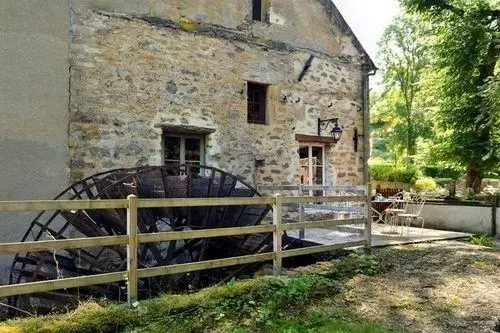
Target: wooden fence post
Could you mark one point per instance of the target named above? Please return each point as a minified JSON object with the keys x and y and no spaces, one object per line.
{"x":368,"y":221}
{"x":132,"y":250}
{"x":302,"y":232}
{"x":494,"y":206}
{"x":277,"y":235}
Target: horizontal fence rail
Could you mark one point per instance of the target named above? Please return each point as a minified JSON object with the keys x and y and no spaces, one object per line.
{"x":27,"y":206}
{"x":327,"y":188}
{"x":133,"y":239}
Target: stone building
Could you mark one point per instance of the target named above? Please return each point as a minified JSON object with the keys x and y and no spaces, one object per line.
{"x":222,"y":83}
{"x":91,"y":85}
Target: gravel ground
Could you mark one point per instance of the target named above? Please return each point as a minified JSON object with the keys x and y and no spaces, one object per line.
{"x":447,"y":286}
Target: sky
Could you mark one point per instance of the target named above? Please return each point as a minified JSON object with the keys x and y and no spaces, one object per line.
{"x":368,"y":19}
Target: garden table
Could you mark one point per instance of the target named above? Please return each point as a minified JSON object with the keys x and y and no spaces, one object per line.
{"x":380,"y":205}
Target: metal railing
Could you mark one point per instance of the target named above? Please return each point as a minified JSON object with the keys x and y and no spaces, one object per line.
{"x":133,"y":239}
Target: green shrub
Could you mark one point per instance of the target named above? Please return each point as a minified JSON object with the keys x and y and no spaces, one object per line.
{"x":436,"y":171}
{"x":482,"y":240}
{"x":386,"y":172}
{"x":424,"y":184}
{"x":410,"y":175}
{"x":381,"y":172}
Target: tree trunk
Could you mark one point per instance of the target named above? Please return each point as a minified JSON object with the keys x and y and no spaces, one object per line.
{"x":409,"y":137}
{"x":474,"y":177}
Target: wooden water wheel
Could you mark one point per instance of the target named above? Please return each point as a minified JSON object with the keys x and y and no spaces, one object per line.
{"x":169,"y":181}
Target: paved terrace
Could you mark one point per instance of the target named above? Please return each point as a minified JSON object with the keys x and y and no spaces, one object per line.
{"x":382,"y":235}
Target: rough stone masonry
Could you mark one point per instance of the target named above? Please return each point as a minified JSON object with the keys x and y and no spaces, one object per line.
{"x":141,"y":67}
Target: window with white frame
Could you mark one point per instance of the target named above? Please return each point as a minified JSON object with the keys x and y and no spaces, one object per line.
{"x":184,"y":149}
{"x":312,"y":165}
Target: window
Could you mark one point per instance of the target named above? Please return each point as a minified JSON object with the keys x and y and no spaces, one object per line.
{"x":312,"y":166}
{"x":184,"y":149}
{"x":257,"y":94}
{"x":257,"y":10}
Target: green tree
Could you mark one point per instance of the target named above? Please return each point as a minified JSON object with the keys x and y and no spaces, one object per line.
{"x":466,"y":52}
{"x":403,"y":57}
{"x":388,"y":126}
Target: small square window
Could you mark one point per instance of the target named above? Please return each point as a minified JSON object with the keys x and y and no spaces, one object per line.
{"x":258,"y":10}
{"x":257,"y":95}
{"x":184,"y":149}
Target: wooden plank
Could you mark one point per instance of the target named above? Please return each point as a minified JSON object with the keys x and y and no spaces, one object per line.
{"x":302,"y":232}
{"x":206,"y":233}
{"x":279,"y":187}
{"x":203,"y":202}
{"x":41,"y":286}
{"x":321,"y":224}
{"x":368,"y":221}
{"x":320,"y":248}
{"x":132,"y":279}
{"x":196,"y":266}
{"x":315,"y":139}
{"x":338,"y":198}
{"x":62,"y":244}
{"x":347,"y":188}
{"x":277,"y":235}
{"x":38,"y":205}
{"x":494,"y":206}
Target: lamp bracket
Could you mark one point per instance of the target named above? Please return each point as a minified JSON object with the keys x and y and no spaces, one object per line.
{"x":323,"y":124}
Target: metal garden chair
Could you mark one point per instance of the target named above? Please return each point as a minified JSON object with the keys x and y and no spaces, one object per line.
{"x":398,"y":206}
{"x":413,"y":208}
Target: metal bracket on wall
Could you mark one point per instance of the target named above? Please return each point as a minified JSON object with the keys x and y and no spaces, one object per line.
{"x":355,"y":139}
{"x":307,"y":65}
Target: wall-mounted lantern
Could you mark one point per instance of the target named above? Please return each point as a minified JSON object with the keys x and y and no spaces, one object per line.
{"x":336,"y":131}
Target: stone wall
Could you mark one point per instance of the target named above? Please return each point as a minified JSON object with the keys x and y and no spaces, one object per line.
{"x":132,"y":74}
{"x":34,"y":74}
{"x":310,"y":24}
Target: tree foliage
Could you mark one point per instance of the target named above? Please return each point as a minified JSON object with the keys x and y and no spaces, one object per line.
{"x":397,"y":115}
{"x":465,"y":51}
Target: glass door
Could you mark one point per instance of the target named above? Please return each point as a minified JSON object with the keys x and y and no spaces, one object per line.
{"x":312,"y":166}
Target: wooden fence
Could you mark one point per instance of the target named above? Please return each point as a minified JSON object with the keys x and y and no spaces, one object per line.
{"x":133,"y":239}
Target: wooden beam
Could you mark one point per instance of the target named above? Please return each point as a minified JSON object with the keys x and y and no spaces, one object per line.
{"x":321,"y":224}
{"x":196,"y":266}
{"x":132,"y":250}
{"x":328,"y":188}
{"x":205,"y":233}
{"x":62,"y":244}
{"x":314,"y":139}
{"x":41,"y":286}
{"x":368,"y":224}
{"x":38,"y":205}
{"x":341,"y":198}
{"x":277,"y":235}
{"x":320,"y":248}
{"x":203,"y":202}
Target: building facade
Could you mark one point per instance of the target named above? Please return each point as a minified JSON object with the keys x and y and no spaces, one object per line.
{"x":92,"y":85}
{"x":235,"y":84}
{"x":222,"y":83}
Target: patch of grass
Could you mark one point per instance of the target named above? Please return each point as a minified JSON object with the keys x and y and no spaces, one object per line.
{"x":288,"y":304}
{"x":481,"y":240}
{"x":355,"y":264}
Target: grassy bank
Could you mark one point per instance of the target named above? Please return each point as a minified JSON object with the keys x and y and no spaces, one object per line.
{"x":447,"y":286}
{"x":289,"y":304}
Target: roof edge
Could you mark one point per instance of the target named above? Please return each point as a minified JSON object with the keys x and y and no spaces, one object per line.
{"x":337,"y":19}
